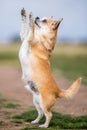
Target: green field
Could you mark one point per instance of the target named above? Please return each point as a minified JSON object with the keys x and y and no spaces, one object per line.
{"x":71,"y":61}
{"x":22,"y":120}
{"x":68,"y":60}
{"x":58,"y":121}
{"x":9,"y":55}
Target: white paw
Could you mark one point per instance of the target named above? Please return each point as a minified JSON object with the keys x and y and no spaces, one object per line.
{"x":34,"y":122}
{"x":43,"y":126}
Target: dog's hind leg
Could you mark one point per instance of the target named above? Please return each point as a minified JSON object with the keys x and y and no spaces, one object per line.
{"x":47,"y":102}
{"x":36,"y":102}
{"x":48,"y":116}
{"x":24,"y":26}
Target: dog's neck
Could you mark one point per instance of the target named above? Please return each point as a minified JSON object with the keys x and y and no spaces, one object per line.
{"x":49,"y":42}
{"x":43,"y":43}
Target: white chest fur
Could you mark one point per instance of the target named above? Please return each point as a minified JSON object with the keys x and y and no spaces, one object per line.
{"x":24,"y":59}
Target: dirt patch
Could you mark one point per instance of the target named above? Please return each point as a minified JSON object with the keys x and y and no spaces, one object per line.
{"x":11,"y":86}
{"x":12,"y":89}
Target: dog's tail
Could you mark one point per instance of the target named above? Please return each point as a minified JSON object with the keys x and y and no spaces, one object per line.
{"x":71,"y":91}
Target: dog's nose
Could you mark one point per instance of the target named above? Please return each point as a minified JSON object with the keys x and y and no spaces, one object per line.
{"x":37,"y":18}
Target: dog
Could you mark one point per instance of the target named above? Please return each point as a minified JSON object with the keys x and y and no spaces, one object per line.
{"x":38,"y":41}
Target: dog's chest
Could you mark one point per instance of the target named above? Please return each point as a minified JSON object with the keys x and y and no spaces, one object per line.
{"x":24,"y":53}
{"x":24,"y":59}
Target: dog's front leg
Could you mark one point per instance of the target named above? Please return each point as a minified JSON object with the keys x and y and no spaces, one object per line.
{"x":24,"y":26}
{"x":31,"y":39}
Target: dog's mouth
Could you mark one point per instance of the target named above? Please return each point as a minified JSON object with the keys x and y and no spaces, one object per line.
{"x":37,"y":19}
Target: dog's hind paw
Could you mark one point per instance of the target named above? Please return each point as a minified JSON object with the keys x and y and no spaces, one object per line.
{"x":34,"y":122}
{"x":43,"y":126}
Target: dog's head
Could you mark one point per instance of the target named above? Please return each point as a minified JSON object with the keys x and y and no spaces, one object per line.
{"x":47,"y":30}
{"x":47,"y":23}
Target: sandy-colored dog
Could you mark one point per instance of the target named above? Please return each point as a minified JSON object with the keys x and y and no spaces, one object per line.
{"x":38,"y":41}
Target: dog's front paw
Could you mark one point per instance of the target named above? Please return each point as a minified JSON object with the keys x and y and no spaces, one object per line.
{"x":31,"y":18}
{"x":23,"y":12}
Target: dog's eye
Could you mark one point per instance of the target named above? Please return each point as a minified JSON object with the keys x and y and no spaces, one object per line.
{"x":44,"y":20}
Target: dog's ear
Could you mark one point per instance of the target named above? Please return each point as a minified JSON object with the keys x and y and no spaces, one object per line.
{"x":56,"y":24}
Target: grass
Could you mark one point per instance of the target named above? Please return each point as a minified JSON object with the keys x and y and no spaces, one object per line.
{"x":2,"y":101}
{"x":9,"y":55}
{"x":11,"y":105}
{"x":58,"y":121}
{"x":70,"y":60}
{"x":1,"y":123}
{"x":6,"y":104}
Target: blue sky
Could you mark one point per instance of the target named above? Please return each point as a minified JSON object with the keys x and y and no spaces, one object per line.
{"x":74,"y":13}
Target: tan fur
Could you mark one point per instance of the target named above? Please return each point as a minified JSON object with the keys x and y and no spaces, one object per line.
{"x":39,"y":65}
{"x":47,"y":86}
